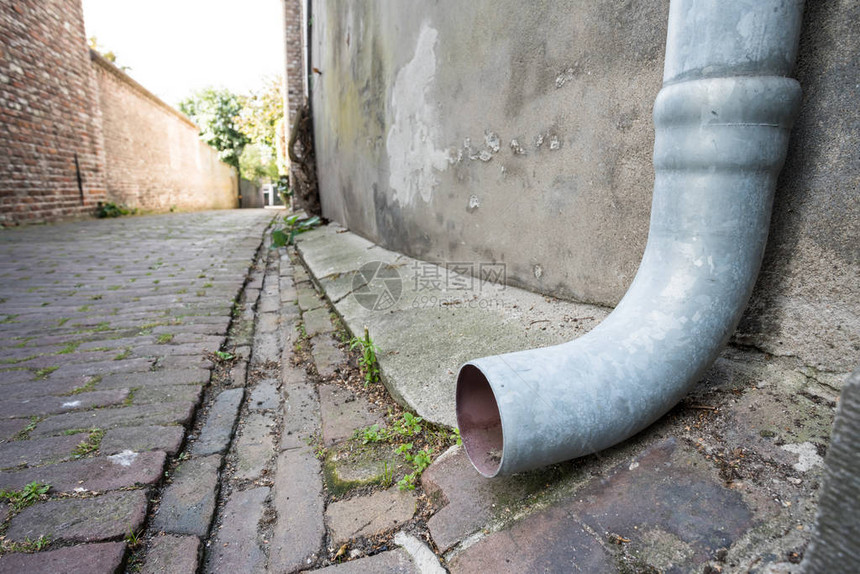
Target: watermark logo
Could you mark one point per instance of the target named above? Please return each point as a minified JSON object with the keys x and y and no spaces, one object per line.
{"x":377,"y":286}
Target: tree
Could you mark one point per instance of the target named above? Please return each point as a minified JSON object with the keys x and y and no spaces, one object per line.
{"x":216,"y":113}
{"x":261,"y":111}
{"x":257,"y":163}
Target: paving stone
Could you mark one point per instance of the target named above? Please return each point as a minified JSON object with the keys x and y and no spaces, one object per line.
{"x":218,"y":429}
{"x":179,"y":362}
{"x":48,"y":405}
{"x":188,"y":502}
{"x":193,"y":376}
{"x":268,"y":322}
{"x":100,"y":474}
{"x":317,"y":322}
{"x":369,"y":515}
{"x":550,"y":541}
{"x":342,"y":413}
{"x":53,"y":387}
{"x":391,"y":562}
{"x":167,"y":393}
{"x":668,"y":489}
{"x":239,"y":374}
{"x":327,"y":356}
{"x":297,"y":540}
{"x":265,"y":396}
{"x":186,"y":349}
{"x":37,"y":451}
{"x":103,"y":558}
{"x":236,"y":546}
{"x":269,"y":304}
{"x":267,"y":347}
{"x":68,"y":370}
{"x":160,"y":414}
{"x":254,"y":447}
{"x":301,"y":414}
{"x":243,"y":352}
{"x":172,"y":555}
{"x":142,"y":439}
{"x":10,"y":428}
{"x":307,"y":297}
{"x":470,"y":498}
{"x":367,"y":464}
{"x":288,"y":292}
{"x":108,"y":516}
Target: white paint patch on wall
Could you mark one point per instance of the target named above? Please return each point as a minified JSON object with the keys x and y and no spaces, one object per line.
{"x":412,"y":154}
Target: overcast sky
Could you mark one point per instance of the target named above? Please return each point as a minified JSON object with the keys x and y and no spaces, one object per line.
{"x":174,"y":47}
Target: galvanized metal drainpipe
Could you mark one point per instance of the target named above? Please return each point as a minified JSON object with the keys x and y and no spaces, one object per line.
{"x":722,"y":123}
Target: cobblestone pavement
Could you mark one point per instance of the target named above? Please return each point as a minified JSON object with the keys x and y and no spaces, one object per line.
{"x":107,"y":330}
{"x":129,"y":445}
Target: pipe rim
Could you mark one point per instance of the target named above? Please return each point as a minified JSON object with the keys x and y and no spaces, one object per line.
{"x":479,"y":420}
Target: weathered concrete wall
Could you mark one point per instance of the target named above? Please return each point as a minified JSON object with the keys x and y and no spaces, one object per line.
{"x":47,"y":117}
{"x":521,"y":132}
{"x":154,"y":156}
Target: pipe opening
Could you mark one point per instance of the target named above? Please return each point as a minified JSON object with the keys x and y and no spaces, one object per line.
{"x":479,"y":421}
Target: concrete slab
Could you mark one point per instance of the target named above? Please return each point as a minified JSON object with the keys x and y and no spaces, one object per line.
{"x":434,"y":325}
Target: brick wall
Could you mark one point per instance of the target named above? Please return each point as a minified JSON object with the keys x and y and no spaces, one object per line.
{"x":295,"y":79}
{"x":47,"y":118}
{"x":154,"y":157}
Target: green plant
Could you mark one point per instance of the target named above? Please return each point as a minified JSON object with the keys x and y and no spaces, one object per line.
{"x":24,"y":433}
{"x":224,"y":355}
{"x":294,"y":224}
{"x":372,"y":434}
{"x":132,"y":538}
{"x":367,"y":359}
{"x":27,"y":546}
{"x":89,"y":444}
{"x":408,"y":481}
{"x":43,"y":373}
{"x":165,"y":338}
{"x":111,"y":209}
{"x":30,"y":494}
{"x":408,"y":425}
{"x":387,"y":475}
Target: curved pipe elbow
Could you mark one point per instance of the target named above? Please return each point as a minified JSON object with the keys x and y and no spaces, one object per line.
{"x":720,"y":144}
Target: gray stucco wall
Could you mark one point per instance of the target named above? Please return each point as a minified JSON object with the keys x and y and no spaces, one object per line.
{"x":521,"y":132}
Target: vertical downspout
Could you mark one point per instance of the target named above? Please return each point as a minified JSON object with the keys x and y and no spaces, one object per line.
{"x":722,"y":122}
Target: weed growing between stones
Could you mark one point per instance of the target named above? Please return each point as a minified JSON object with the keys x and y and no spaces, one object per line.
{"x":90,"y":444}
{"x":30,"y":494}
{"x":24,"y":433}
{"x":367,"y":357}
